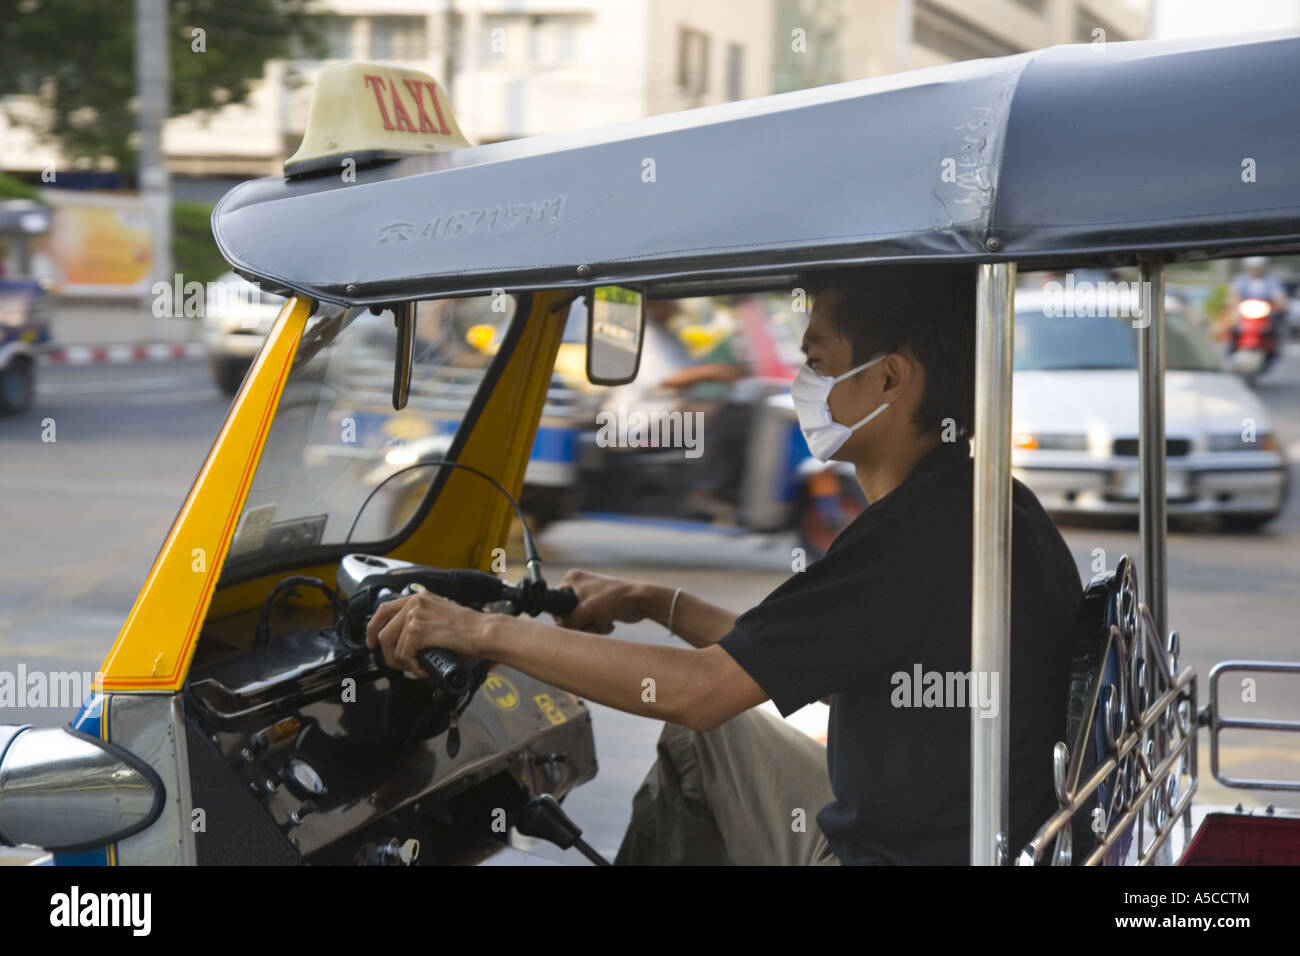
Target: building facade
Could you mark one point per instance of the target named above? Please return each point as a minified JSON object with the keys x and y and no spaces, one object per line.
{"x":525,"y":67}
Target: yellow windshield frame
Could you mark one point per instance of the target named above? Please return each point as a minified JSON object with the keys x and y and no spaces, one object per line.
{"x":154,"y":648}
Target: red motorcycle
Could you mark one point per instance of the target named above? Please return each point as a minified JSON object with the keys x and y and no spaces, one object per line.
{"x":1254,"y":339}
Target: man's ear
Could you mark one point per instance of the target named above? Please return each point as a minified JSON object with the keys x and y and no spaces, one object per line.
{"x":899,"y":368}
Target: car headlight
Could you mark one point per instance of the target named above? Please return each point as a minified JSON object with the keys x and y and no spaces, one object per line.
{"x":1233,"y":441}
{"x":1046,"y":442}
{"x":402,"y":456}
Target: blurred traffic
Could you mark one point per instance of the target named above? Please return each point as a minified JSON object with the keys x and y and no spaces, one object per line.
{"x":727,"y":362}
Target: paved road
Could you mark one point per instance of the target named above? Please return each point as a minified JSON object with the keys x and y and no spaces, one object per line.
{"x":83,"y":517}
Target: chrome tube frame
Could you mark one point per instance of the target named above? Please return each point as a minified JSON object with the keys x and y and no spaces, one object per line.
{"x":1218,"y":723}
{"x":1152,"y":756}
{"x":991,"y":564}
{"x":1153,"y":522}
{"x":1158,"y":802}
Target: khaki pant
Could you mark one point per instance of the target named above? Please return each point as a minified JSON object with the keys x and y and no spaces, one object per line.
{"x":745,"y":793}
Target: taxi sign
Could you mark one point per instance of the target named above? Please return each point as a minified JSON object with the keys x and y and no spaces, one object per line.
{"x":369,"y":112}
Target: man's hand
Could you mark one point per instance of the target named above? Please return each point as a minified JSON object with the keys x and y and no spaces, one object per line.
{"x":602,"y":600}
{"x":403,"y":627}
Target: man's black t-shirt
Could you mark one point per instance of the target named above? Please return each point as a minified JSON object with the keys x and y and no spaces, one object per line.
{"x":889,"y":604}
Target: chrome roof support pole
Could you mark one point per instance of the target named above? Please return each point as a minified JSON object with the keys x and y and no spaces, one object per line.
{"x":1151,"y":443}
{"x":991,"y":568}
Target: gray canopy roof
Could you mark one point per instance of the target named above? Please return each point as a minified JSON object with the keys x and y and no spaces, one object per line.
{"x":1188,"y":148}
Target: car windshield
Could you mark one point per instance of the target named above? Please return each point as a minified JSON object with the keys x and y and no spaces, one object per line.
{"x":1067,"y":342}
{"x":336,"y":437}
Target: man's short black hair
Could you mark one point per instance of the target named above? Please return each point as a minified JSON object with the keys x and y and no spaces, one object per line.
{"x":927,"y":309}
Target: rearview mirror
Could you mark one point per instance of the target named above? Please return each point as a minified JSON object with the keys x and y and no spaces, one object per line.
{"x":614,"y":334}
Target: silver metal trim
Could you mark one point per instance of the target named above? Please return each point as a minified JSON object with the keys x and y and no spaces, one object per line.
{"x":991,"y":552}
{"x":1150,"y":764}
{"x":1153,"y":520}
{"x":1153,"y":802}
{"x":153,"y":728}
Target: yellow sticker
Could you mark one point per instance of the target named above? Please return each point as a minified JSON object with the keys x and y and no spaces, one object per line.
{"x":549,"y":708}
{"x":500,"y":692}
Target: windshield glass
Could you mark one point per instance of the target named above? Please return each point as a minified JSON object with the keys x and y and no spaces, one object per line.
{"x":336,"y":437}
{"x":1071,"y":342}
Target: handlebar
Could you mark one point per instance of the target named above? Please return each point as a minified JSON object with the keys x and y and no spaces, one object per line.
{"x":472,"y":588}
{"x":561,"y":602}
{"x":450,"y":672}
{"x":453,"y":673}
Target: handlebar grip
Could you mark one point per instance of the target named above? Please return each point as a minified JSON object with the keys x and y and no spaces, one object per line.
{"x":561,"y":601}
{"x":455,"y":673}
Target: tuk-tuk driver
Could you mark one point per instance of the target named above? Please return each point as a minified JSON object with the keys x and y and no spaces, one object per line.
{"x":880,"y":626}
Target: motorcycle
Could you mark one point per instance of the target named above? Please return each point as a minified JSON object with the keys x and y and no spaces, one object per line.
{"x":1254,"y":339}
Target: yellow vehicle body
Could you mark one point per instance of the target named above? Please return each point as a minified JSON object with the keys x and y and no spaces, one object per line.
{"x":157,"y":643}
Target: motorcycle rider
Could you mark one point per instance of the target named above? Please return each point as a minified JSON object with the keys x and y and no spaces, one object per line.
{"x":888,"y":387}
{"x":704,"y":380}
{"x":1256,"y":283}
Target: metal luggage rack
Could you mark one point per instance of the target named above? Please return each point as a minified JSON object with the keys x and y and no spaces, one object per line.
{"x":1132,"y":771}
{"x":1213,"y":718}
{"x":1132,"y":767}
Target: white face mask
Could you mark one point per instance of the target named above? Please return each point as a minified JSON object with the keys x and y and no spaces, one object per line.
{"x":810,"y":391}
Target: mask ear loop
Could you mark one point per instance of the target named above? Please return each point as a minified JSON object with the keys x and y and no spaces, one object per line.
{"x":879,"y":358}
{"x":878,"y":410}
{"x":865,"y":365}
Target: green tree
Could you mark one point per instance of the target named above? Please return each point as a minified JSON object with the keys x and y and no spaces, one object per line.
{"x":12,"y":188}
{"x":77,"y":57}
{"x":194,"y":253}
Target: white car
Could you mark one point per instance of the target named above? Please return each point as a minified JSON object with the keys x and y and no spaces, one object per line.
{"x":1075,"y":420}
{"x":237,"y":316}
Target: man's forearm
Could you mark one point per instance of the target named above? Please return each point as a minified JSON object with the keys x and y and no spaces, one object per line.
{"x":644,"y":679}
{"x":695,"y":621}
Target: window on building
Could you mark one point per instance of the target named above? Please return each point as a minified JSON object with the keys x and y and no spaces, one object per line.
{"x":398,"y":38}
{"x":692,"y":61}
{"x":735,"y":71}
{"x":953,"y":36}
{"x":565,"y":33}
{"x":536,"y":29}
{"x":823,"y":28}
{"x":497,"y":36}
{"x":532,"y":40}
{"x":338,"y":38}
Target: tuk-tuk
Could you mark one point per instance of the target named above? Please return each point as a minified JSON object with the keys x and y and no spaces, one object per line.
{"x":25,"y":308}
{"x":239,"y":719}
